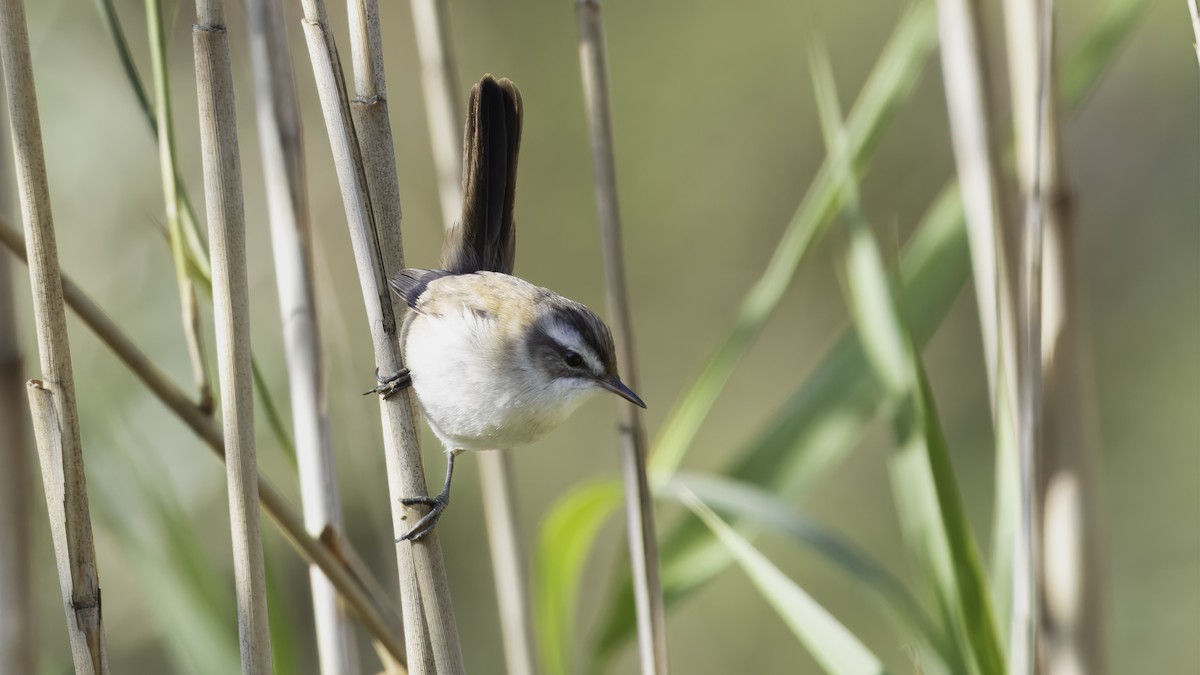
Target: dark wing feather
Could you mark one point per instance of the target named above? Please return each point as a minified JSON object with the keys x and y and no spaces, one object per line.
{"x":409,"y":284}
{"x":484,"y":238}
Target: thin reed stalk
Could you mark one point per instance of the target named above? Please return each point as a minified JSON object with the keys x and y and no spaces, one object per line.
{"x":231,"y":310}
{"x":431,"y":635}
{"x":17,"y":612}
{"x":977,"y":154}
{"x":52,"y":399}
{"x":639,"y":505}
{"x":71,"y":531}
{"x":443,"y":106}
{"x":280,"y":142}
{"x":506,"y":541}
{"x":1071,"y":600}
{"x":355,"y":585}
{"x":1194,"y":10}
{"x":171,"y":197}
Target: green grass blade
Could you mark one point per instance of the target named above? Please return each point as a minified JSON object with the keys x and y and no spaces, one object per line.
{"x":567,"y":535}
{"x":889,"y":85}
{"x":757,"y":507}
{"x":271,"y":411}
{"x":817,"y":427}
{"x":927,"y":495}
{"x":832,"y":645}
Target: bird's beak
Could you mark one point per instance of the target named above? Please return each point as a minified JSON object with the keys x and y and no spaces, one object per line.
{"x":618,"y":387}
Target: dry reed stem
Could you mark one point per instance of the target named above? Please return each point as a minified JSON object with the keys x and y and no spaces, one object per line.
{"x":71,"y":531}
{"x":355,"y":586}
{"x":280,"y":142}
{"x":53,"y":400}
{"x":17,"y":612}
{"x":231,"y":312}
{"x":431,"y":635}
{"x":1071,"y":603}
{"x":443,"y":107}
{"x":506,"y":542}
{"x":1194,"y":10}
{"x":639,"y":506}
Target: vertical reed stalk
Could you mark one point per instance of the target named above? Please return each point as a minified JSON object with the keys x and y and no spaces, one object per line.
{"x":52,"y":400}
{"x":505,"y":540}
{"x":443,"y":107}
{"x":231,"y":311}
{"x":1071,"y":598}
{"x":968,"y":100}
{"x":639,"y":506}
{"x":171,"y":197}
{"x":280,"y":142}
{"x":17,"y":612}
{"x":71,"y":530}
{"x":431,"y":635}
{"x":355,"y":585}
{"x":1194,"y":10}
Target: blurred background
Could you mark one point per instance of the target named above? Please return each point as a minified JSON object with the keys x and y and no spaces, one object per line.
{"x":717,"y":141}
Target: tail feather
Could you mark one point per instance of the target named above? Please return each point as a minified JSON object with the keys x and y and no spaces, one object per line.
{"x":485,"y":238}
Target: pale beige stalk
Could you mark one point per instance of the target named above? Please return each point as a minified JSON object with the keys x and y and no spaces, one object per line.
{"x":71,"y":532}
{"x":358,"y":589}
{"x":431,"y":635}
{"x":1071,"y":628}
{"x":280,"y":142}
{"x":443,"y":104}
{"x":506,"y":542}
{"x":1194,"y":10}
{"x":52,"y":400}
{"x":18,"y":616}
{"x":231,"y":313}
{"x":639,"y":506}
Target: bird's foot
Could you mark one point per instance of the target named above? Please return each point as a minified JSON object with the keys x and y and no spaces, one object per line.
{"x":388,"y":386}
{"x":437,"y":505}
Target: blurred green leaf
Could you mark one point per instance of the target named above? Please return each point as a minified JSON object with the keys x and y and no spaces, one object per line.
{"x":928,"y":500}
{"x":832,"y":645}
{"x":182,"y":586}
{"x":567,"y":535}
{"x":889,"y":85}
{"x":821,"y":422}
{"x":757,"y":507}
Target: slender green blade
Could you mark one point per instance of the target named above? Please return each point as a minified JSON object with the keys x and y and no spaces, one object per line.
{"x":890,"y":83}
{"x":567,"y":536}
{"x":818,"y":426}
{"x":927,"y":495}
{"x":832,"y":645}
{"x":757,"y":507}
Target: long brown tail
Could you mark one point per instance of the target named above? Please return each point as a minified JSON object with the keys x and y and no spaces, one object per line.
{"x":485,"y":238}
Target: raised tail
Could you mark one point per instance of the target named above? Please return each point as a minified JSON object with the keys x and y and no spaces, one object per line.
{"x":484,"y":237}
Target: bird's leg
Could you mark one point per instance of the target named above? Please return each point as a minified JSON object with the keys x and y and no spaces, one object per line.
{"x":437,"y":504}
{"x":388,"y":386}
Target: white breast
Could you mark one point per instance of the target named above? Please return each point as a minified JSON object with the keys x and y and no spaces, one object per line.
{"x":476,"y":390}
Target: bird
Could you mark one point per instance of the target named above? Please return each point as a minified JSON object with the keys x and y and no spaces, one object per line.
{"x":495,"y":361}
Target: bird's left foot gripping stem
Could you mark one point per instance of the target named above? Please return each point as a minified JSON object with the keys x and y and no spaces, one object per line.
{"x":437,"y":505}
{"x":390,"y":385}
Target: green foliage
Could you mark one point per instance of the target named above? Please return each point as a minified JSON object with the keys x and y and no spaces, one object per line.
{"x":871,"y":369}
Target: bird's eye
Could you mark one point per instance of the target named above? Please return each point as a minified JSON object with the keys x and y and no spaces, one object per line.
{"x":573,"y":359}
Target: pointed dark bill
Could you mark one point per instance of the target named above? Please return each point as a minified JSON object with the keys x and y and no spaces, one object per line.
{"x":618,"y":387}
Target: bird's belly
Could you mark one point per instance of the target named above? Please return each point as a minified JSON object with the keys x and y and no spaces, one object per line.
{"x":471,"y":401}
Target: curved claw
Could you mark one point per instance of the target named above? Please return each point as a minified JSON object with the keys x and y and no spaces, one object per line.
{"x":388,"y":386}
{"x":427,"y":522}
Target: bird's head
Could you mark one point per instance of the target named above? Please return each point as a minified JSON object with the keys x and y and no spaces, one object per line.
{"x":572,"y":349}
